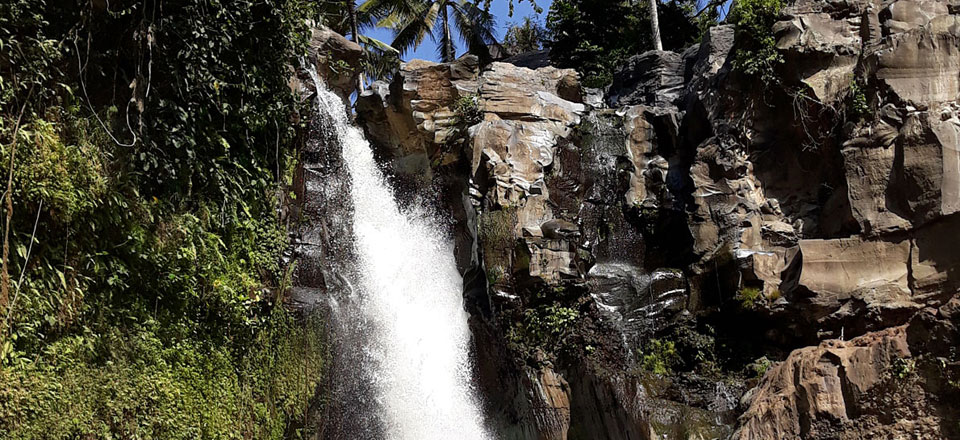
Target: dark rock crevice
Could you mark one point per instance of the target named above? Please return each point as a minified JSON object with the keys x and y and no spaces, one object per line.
{"x":704,"y":212}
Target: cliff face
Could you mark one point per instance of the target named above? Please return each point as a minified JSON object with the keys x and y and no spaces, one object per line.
{"x":637,"y":261}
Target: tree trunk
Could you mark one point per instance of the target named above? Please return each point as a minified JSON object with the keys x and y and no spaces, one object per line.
{"x":352,"y":10}
{"x":449,"y":52}
{"x":655,"y":25}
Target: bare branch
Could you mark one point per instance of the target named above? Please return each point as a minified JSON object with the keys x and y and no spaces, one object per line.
{"x":23,"y":271}
{"x":5,"y":275}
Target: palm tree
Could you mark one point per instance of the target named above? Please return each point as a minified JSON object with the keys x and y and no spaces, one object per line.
{"x":413,"y":20}
{"x":655,"y":25}
{"x":380,"y":60}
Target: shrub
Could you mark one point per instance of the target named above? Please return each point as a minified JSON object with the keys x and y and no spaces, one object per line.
{"x":760,"y":367}
{"x":857,"y":105}
{"x":68,"y":178}
{"x":524,"y":37}
{"x":496,"y":233}
{"x":543,"y":327}
{"x":146,"y":303}
{"x":467,"y":110}
{"x":130,"y":384}
{"x":659,"y":356}
{"x":903,"y":368}
{"x":597,"y":37}
{"x":748,"y":297}
{"x":757,"y":53}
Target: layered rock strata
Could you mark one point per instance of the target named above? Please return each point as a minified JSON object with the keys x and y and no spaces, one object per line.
{"x":634,"y":262}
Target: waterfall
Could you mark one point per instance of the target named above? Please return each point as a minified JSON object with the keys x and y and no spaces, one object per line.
{"x":406,"y":312}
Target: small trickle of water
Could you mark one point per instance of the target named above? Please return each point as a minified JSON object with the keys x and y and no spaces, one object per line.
{"x":409,"y":295}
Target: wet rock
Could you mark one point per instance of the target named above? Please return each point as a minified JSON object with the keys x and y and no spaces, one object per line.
{"x":641,"y":303}
{"x":336,"y":59}
{"x":778,"y":217}
{"x":654,"y":78}
{"x":559,"y":229}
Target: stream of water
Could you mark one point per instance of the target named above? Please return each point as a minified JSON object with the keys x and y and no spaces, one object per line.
{"x":410,"y":316}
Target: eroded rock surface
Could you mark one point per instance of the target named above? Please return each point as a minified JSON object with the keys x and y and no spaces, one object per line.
{"x":632,"y":262}
{"x":824,"y":391}
{"x":336,"y":59}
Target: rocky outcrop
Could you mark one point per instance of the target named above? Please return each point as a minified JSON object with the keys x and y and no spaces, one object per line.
{"x":654,"y":78}
{"x":824,"y":391}
{"x":322,"y":239}
{"x":885,"y":384}
{"x":336,"y":59}
{"x":626,"y":256}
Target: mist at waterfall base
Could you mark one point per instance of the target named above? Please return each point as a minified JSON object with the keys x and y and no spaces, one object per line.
{"x":405,"y":308}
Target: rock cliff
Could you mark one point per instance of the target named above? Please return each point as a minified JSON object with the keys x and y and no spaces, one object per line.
{"x":690,"y":255}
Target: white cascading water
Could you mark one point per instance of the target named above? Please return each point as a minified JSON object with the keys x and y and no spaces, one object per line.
{"x":410,"y":290}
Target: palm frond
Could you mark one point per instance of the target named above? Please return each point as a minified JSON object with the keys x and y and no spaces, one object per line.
{"x":379,"y":45}
{"x":475,"y":27}
{"x":410,"y":31}
{"x":384,"y":8}
{"x":381,"y":61}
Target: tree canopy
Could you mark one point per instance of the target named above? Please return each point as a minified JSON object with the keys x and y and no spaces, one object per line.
{"x":597,"y":36}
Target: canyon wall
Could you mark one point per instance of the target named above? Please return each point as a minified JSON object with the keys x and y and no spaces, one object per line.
{"x":693,"y":254}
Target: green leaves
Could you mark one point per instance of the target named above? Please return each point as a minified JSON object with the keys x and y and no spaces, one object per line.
{"x":544,"y":328}
{"x":147,"y":301}
{"x":596,"y":37}
{"x":467,"y":110}
{"x":757,"y":53}
{"x":150,"y":388}
{"x":659,"y":356}
{"x":524,"y":37}
{"x":441,"y":20}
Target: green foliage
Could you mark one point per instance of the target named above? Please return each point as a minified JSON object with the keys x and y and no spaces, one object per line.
{"x":597,"y":37}
{"x":380,"y":61}
{"x":903,"y":368}
{"x":467,"y":110}
{"x":760,"y":367}
{"x":698,"y":349}
{"x":858,"y":106}
{"x":543,"y":327}
{"x":29,"y":58}
{"x":496,"y":233}
{"x":412,"y":22}
{"x":485,"y":4}
{"x":748,"y":297}
{"x":149,"y":158}
{"x":495,"y":275}
{"x":68,"y":178}
{"x":131,"y":384}
{"x":524,"y":37}
{"x":757,"y":53}
{"x":579,"y":41}
{"x":659,"y":356}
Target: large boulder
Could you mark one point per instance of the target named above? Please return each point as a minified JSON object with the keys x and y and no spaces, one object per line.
{"x":336,"y":59}
{"x":899,"y":382}
{"x":829,"y":391}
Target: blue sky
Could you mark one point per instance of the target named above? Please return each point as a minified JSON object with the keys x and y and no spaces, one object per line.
{"x":499,"y":8}
{"x":500,"y":11}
